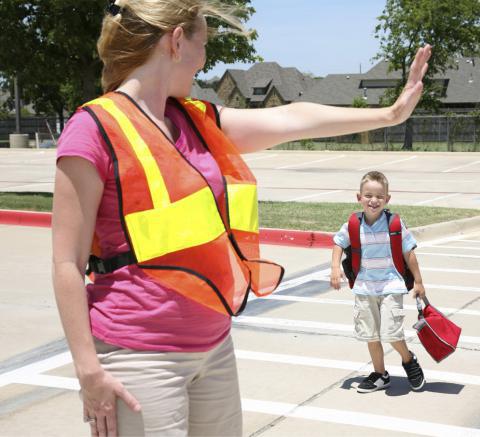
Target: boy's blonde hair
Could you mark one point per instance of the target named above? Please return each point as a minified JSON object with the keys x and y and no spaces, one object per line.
{"x":374,"y":176}
{"x":128,"y":37}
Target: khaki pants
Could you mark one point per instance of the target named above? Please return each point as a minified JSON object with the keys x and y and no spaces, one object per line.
{"x":194,"y":394}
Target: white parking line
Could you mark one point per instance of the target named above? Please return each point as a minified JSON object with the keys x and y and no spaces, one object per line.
{"x":461,"y":166}
{"x":387,"y":163}
{"x":451,"y":255}
{"x":357,"y":366}
{"x":276,"y":323}
{"x":314,"y":195}
{"x":325,"y":301}
{"x":453,"y":247}
{"x":437,"y":198}
{"x":258,"y":158}
{"x":452,"y":287}
{"x":355,"y":419}
{"x":309,"y":162}
{"x":438,"y":269}
{"x":470,"y":241}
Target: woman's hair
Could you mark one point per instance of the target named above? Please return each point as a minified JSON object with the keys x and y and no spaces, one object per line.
{"x":132,"y":29}
{"x":374,"y":176}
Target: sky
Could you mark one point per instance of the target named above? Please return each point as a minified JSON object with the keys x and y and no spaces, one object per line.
{"x":316,"y":36}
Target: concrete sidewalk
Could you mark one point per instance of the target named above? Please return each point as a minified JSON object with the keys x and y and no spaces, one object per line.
{"x":303,"y":383}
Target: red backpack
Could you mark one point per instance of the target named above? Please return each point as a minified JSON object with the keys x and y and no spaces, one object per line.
{"x":351,"y":264}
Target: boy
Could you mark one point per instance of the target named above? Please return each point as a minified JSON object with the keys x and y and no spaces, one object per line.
{"x":379,"y":288}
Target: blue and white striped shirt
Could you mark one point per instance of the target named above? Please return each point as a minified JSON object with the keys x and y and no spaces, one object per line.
{"x":378,"y":275}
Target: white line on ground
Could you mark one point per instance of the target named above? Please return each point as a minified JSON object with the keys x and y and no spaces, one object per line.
{"x":387,"y":163}
{"x":470,"y":241}
{"x":356,"y":419}
{"x":452,"y":287}
{"x":423,"y":202}
{"x":258,"y":158}
{"x":459,"y":378}
{"x":309,"y":162}
{"x":438,"y":269}
{"x":296,"y":199}
{"x":461,"y":166}
{"x":451,"y":255}
{"x":452,"y":247}
{"x":317,"y":326}
{"x":325,"y":301}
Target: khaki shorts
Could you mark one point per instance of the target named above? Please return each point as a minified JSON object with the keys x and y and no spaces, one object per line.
{"x":379,"y":318}
{"x":181,"y":393}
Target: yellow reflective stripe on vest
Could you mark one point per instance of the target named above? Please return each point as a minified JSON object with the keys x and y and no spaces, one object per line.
{"x":198,"y":103}
{"x":156,"y":184}
{"x":189,"y":222}
{"x":243,"y":207}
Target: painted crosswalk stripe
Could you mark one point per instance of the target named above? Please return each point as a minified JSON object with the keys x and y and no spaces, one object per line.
{"x":319,"y":300}
{"x":276,"y":323}
{"x":356,"y":419}
{"x":301,"y":164}
{"x":450,"y":255}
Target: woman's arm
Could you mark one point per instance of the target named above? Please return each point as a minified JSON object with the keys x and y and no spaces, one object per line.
{"x":78,"y":191}
{"x":257,"y":129}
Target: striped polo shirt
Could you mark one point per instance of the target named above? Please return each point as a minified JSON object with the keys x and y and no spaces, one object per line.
{"x":378,"y":275}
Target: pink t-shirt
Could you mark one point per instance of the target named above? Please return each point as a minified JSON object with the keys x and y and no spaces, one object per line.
{"x":127,"y":308}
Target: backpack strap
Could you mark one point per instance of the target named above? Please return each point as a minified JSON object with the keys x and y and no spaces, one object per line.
{"x":395,"y":231}
{"x":355,"y":245}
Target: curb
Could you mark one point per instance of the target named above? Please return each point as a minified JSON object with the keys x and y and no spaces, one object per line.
{"x":25,"y":218}
{"x":271,"y":236}
{"x":439,"y":230}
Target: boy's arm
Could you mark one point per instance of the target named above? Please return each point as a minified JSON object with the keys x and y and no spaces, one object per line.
{"x":411,"y":260}
{"x":336,"y":274}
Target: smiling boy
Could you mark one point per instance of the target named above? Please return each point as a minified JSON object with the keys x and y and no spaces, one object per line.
{"x":379,"y":287}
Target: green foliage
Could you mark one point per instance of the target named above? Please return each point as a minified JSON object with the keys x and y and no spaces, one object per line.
{"x":452,"y":27}
{"x":359,"y":102}
{"x":50,"y":45}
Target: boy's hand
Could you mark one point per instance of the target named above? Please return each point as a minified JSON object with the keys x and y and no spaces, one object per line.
{"x":418,"y":290}
{"x":336,"y":277}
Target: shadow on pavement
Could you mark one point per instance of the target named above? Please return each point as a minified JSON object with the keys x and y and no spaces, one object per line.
{"x":399,"y":386}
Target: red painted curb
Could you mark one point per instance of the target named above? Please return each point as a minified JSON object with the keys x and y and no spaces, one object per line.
{"x":289,"y":237}
{"x":281,"y":237}
{"x":25,"y":218}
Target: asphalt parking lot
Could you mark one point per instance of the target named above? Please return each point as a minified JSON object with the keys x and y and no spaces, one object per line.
{"x":298,"y":361}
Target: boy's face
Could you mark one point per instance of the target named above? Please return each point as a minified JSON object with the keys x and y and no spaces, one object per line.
{"x":373,"y":199}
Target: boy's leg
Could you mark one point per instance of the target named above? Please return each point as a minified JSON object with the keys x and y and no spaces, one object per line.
{"x":402,"y":348}
{"x":376,"y":353}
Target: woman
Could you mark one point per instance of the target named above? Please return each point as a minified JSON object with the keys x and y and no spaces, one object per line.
{"x":151,"y":191}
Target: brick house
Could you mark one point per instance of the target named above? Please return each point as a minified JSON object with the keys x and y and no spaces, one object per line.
{"x":263,"y":85}
{"x":460,"y":87}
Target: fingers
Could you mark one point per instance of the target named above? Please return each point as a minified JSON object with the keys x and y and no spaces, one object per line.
{"x":131,"y":402}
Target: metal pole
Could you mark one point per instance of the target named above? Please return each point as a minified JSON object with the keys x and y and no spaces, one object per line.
{"x":17,"y":105}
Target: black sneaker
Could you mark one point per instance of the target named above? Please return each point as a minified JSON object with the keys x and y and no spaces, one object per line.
{"x":373,"y":382}
{"x":414,"y":373}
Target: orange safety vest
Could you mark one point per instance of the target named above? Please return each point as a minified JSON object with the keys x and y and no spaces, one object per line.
{"x":178,"y":233}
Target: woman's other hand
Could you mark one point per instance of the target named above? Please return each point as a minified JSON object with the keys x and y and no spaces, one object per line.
{"x":99,"y":394}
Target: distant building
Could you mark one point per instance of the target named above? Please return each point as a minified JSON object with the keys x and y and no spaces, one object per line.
{"x":208,"y":94}
{"x":460,"y":86}
{"x":265,"y":84}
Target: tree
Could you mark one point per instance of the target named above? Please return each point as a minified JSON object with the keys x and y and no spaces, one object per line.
{"x":50,"y":45}
{"x":452,"y":27}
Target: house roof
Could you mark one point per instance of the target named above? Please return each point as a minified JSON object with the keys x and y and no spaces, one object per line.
{"x":463,"y":86}
{"x":208,"y":94}
{"x":289,"y":82}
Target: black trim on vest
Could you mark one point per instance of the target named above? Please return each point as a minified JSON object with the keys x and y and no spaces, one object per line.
{"x":207,"y":281}
{"x":217,"y":115}
{"x":117,"y":178}
{"x":199,"y":135}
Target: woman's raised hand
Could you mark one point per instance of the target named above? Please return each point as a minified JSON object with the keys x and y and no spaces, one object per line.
{"x":406,"y":102}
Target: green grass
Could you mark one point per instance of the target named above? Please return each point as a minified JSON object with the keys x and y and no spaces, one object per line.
{"x":417,"y":147}
{"x":329,"y":217}
{"x":26,"y":201}
{"x":326,"y":217}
